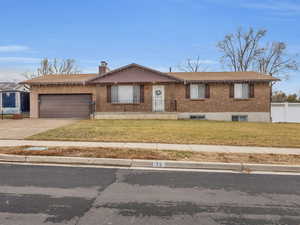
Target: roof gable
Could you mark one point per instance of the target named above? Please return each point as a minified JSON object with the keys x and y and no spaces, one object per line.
{"x":134,"y":73}
{"x":11,"y":86}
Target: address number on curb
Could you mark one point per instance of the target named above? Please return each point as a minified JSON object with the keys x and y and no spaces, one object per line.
{"x":158,"y":164}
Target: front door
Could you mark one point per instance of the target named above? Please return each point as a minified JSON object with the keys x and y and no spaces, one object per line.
{"x":158,"y":98}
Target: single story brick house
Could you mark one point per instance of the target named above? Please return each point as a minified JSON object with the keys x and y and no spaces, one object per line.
{"x":135,"y":91}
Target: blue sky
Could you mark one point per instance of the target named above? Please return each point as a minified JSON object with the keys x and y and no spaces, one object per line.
{"x":154,"y":33}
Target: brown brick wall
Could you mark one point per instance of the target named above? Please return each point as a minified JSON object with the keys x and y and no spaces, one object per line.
{"x":219,"y":100}
{"x":103,"y":106}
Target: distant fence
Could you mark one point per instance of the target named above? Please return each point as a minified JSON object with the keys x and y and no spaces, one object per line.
{"x":285,"y":112}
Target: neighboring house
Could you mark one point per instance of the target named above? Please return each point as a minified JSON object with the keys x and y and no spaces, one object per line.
{"x":14,"y":98}
{"x":133,"y":91}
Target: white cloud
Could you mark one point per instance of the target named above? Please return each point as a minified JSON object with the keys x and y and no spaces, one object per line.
{"x":280,"y":8}
{"x":13,"y":48}
{"x":19,"y":60}
{"x":274,"y":5}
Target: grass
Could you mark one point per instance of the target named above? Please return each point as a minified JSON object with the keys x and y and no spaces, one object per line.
{"x":178,"y":132}
{"x":158,"y":155}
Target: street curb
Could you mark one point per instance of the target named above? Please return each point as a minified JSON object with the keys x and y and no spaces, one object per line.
{"x":186,"y":165}
{"x":136,"y":163}
{"x":77,"y":160}
{"x":270,"y":168}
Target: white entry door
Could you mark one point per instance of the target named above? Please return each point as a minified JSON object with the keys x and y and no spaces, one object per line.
{"x":158,"y":98}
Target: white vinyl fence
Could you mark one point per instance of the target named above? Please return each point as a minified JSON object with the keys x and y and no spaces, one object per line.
{"x":285,"y":112}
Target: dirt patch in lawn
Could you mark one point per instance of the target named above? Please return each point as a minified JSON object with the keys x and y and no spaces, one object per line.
{"x":157,"y":155}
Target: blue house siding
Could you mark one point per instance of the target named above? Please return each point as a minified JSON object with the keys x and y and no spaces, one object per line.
{"x":14,"y":98}
{"x":8,"y":100}
{"x":25,"y":99}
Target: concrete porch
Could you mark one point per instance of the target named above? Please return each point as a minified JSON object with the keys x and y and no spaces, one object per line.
{"x":137,"y":115}
{"x":218,"y":116}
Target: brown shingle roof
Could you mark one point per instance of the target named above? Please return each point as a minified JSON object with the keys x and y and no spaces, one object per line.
{"x":222,"y":76}
{"x":61,"y":79}
{"x":134,"y":77}
{"x":184,"y":76}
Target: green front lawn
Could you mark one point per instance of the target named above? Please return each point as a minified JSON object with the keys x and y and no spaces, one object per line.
{"x":178,"y":132}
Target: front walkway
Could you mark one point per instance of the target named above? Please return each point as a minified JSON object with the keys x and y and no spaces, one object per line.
{"x":157,"y":146}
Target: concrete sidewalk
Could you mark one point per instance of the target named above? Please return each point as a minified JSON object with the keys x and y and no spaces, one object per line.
{"x":156,"y":146}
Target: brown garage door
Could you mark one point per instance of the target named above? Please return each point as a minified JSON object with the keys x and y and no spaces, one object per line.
{"x":65,"y":106}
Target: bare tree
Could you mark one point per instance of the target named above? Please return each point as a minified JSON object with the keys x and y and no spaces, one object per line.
{"x":275,"y":61}
{"x":48,"y":67}
{"x":192,"y":65}
{"x":29,"y":75}
{"x":65,"y":66}
{"x":243,"y":51}
{"x":45,"y":67}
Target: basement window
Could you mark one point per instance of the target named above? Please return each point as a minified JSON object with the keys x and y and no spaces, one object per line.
{"x":240,"y":118}
{"x":197,"y":117}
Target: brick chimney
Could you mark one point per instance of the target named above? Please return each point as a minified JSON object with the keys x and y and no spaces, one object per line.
{"x":103,"y":68}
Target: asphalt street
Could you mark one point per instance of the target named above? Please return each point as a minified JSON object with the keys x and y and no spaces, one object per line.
{"x":33,"y":195}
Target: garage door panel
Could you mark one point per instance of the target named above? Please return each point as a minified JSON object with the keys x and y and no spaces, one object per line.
{"x":65,"y":106}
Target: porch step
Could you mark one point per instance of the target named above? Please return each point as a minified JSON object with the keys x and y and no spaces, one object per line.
{"x":137,"y":115}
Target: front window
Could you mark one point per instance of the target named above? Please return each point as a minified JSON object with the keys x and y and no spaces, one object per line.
{"x":241,"y":91}
{"x":8,"y":100}
{"x":197,"y":91}
{"x":125,"y":94}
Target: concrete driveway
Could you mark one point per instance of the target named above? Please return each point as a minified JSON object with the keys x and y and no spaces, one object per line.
{"x":20,"y":129}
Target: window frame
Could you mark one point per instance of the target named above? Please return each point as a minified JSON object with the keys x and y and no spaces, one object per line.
{"x":239,"y":118}
{"x":191,"y":90}
{"x":4,"y":103}
{"x":135,"y":92}
{"x":247,"y":96}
